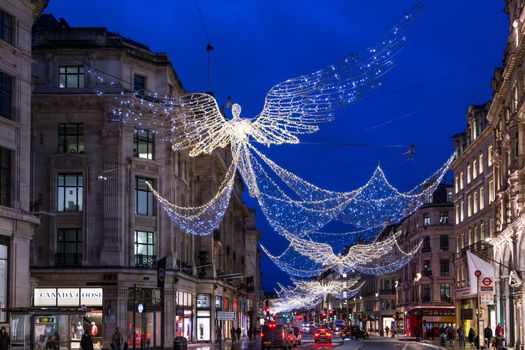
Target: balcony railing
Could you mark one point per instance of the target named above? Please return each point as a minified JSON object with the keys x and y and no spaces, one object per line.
{"x":145,"y":261}
{"x":62,"y":259}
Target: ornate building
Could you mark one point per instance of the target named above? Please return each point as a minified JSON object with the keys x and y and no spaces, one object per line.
{"x":474,"y":206}
{"x":17,"y":224}
{"x":426,"y":283}
{"x":104,"y":232}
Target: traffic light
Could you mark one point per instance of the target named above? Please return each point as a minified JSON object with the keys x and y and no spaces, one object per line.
{"x":323,"y":315}
{"x":331,"y":312}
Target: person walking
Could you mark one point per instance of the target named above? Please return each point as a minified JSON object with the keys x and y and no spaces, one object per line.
{"x":238,"y":332}
{"x":117,"y":339}
{"x":250,"y":331}
{"x":232,"y":334}
{"x":218,"y":334}
{"x":5,"y":340}
{"x":487,"y":334}
{"x":41,"y":344}
{"x":86,"y":343}
{"x":387,"y":330}
{"x":461,"y":335}
{"x":471,"y":336}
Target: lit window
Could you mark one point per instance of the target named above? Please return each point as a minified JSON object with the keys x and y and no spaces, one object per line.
{"x":4,"y":268}
{"x":474,"y":169}
{"x":492,"y":194}
{"x":481,"y":198}
{"x":475,"y":204}
{"x":70,"y":192}
{"x":462,"y":211}
{"x":143,"y":197}
{"x":468,"y":174}
{"x":481,"y":163}
{"x":456,"y":184}
{"x":71,"y":77}
{"x":457,"y":214}
{"x":461,"y":179}
{"x":469,"y":206}
{"x":426,"y":219}
{"x":143,"y":144}
{"x":443,"y":217}
{"x":445,"y":292}
{"x":145,"y":249}
{"x":489,"y":155}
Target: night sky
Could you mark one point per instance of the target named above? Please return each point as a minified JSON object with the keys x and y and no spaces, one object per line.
{"x":446,"y":66}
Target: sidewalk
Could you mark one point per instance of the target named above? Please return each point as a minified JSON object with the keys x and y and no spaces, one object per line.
{"x":435,"y":343}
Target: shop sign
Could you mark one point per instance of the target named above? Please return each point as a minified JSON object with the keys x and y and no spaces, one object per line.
{"x":486,"y":297}
{"x":203,"y":301}
{"x":179,"y":311}
{"x":226,"y":316}
{"x":67,"y":297}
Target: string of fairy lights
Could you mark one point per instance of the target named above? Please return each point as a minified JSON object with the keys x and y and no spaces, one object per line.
{"x":295,"y":208}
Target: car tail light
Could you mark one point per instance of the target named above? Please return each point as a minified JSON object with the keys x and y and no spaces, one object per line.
{"x":262,"y":334}
{"x":316,"y":334}
{"x":328,"y":334}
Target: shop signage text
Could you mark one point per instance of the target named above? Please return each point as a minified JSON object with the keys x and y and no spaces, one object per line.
{"x":226,"y":316}
{"x":67,"y":297}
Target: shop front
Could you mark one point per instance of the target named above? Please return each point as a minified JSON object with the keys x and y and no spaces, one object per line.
{"x":61,"y":314}
{"x":184,"y":315}
{"x":144,"y":326}
{"x":203,"y":317}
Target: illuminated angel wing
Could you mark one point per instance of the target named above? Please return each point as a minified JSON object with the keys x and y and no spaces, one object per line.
{"x":318,"y":252}
{"x":199,"y":127}
{"x":297,"y":105}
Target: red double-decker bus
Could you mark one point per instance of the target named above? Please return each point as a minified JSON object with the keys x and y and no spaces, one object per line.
{"x":432,"y":316}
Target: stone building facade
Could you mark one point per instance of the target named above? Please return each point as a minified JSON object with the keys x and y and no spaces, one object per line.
{"x":17,"y":224}
{"x":105,"y":231}
{"x":425,"y":286}
{"x":475,"y":185}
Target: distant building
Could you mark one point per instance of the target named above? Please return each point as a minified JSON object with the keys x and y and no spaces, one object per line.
{"x":426,"y":283}
{"x":99,"y":244}
{"x":17,"y":224}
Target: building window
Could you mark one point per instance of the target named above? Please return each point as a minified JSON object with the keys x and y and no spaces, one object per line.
{"x":143,"y":197}
{"x":471,"y":235}
{"x":143,"y":144}
{"x":481,"y":198}
{"x":481,"y":163}
{"x":491,"y":227}
{"x":71,"y":77}
{"x":427,"y":294}
{"x":476,"y":201}
{"x":145,"y":249}
{"x":426,"y":245}
{"x":461,"y":179}
{"x":6,"y":95}
{"x":462,"y":211}
{"x":426,"y":219}
{"x":489,"y":155}
{"x":139,"y":84}
{"x":70,"y":138}
{"x":4,"y":274}
{"x":443,"y":243}
{"x":483,"y":232}
{"x":492,"y":194}
{"x":443,"y":217}
{"x":445,"y":292}
{"x":456,"y":184}
{"x":427,"y":268}
{"x":6,"y":27}
{"x":468,"y":174}
{"x":474,"y":168}
{"x":469,"y":205}
{"x":5,"y":177}
{"x":444,"y":267}
{"x":457,"y":214}
{"x":70,"y":192}
{"x":69,"y":247}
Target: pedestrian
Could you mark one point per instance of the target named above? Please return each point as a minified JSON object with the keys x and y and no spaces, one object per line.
{"x":218,"y":334}
{"x":5,"y":340}
{"x":250,"y":331}
{"x":232,"y":334}
{"x":387,"y":330}
{"x":471,"y":336}
{"x":117,"y":339}
{"x":51,"y":344}
{"x":238,"y":332}
{"x":487,"y":334}
{"x":41,"y":344}
{"x":461,"y":335}
{"x":86,"y":343}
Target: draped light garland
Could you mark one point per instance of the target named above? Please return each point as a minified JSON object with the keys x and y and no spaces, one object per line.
{"x":295,"y":208}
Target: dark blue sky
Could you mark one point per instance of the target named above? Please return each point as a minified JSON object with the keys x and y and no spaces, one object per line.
{"x":447,"y":65}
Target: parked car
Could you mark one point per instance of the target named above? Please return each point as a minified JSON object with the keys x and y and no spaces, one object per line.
{"x":323,"y":334}
{"x":276,"y":336}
